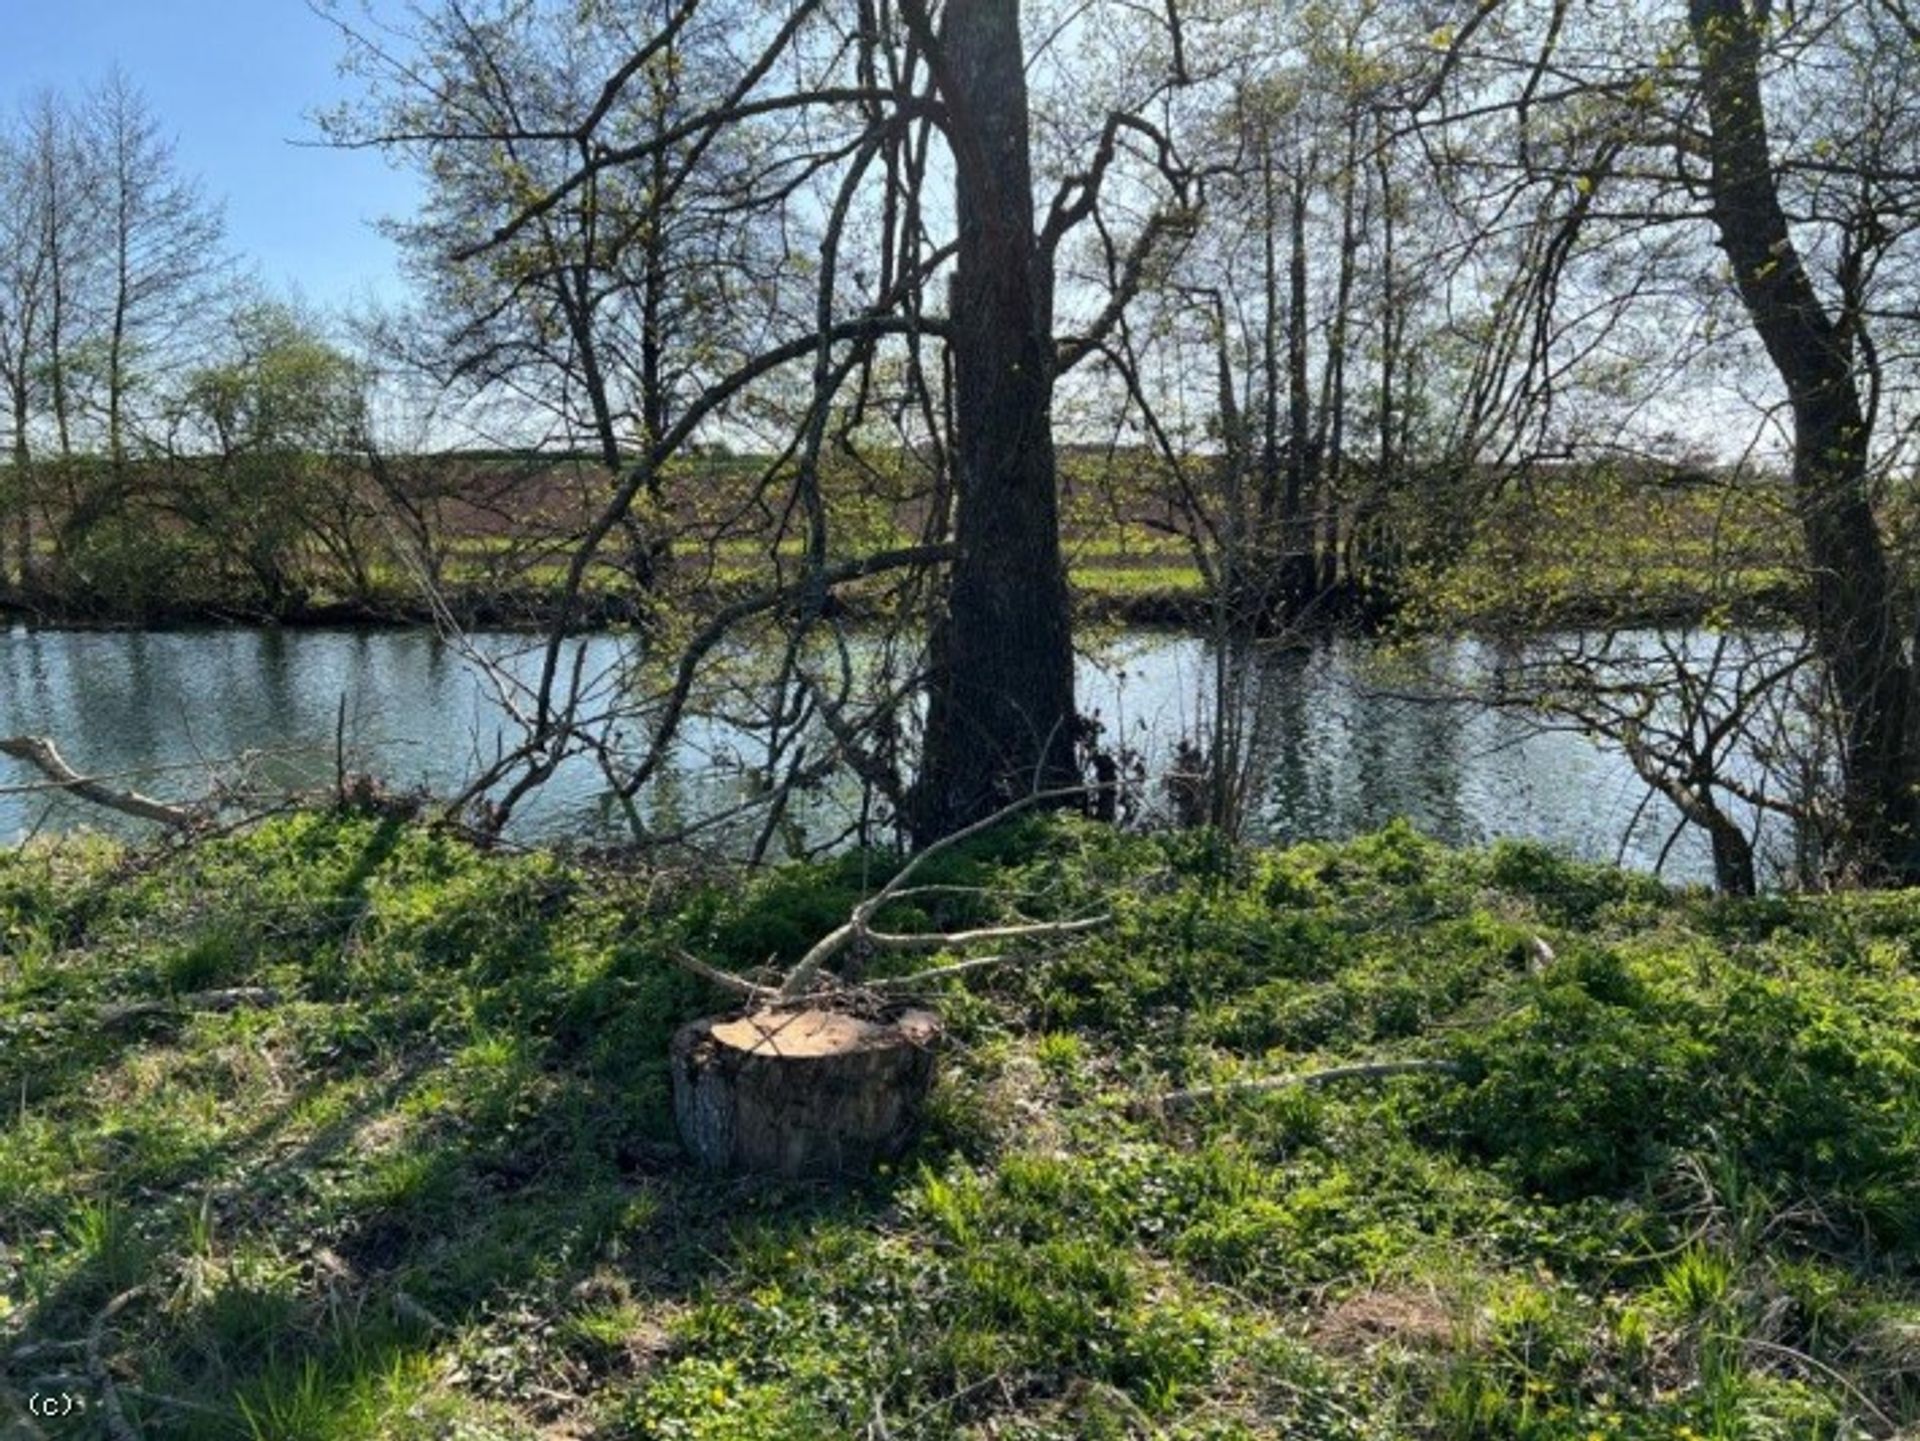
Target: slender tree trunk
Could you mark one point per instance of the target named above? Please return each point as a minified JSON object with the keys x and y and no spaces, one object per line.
{"x":1852,"y":602}
{"x":653,"y":338}
{"x":1389,"y":321}
{"x":1331,"y":440}
{"x":22,"y":497}
{"x":1272,"y":510}
{"x":1381,"y":559}
{"x":1000,"y":719}
{"x":56,"y":326}
{"x":123,"y":183}
{"x":655,"y":411}
{"x":117,"y":382}
{"x":1301,"y":461}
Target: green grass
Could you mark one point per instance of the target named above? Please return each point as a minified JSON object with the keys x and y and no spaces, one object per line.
{"x":432,"y":1189}
{"x":1596,"y":545}
{"x":1161,"y":578}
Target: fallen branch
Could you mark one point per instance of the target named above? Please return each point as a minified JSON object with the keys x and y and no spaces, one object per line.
{"x":943,"y":940}
{"x":234,"y":999}
{"x":1814,"y":1363}
{"x":726,"y":980}
{"x":118,"y":1427}
{"x":45,"y":757}
{"x":1370,"y":1071}
{"x":34,"y":1350}
{"x":408,"y":1309}
{"x":176,"y":1403}
{"x":938,"y":973}
{"x":859,"y":926}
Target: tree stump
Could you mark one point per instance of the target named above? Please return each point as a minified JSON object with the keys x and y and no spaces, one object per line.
{"x":801,"y":1093}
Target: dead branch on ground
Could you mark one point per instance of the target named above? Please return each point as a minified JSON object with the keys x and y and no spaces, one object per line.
{"x":41,"y":753}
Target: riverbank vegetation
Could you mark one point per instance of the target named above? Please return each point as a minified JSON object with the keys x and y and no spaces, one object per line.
{"x":345,"y":1128}
{"x":369,"y":539}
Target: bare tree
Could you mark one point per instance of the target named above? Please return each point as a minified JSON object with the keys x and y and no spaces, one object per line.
{"x":1819,"y":359}
{"x":1642,"y":143}
{"x":23,"y":305}
{"x":163,"y":252}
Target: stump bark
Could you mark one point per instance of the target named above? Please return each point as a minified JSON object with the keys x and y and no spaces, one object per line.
{"x":801,"y":1093}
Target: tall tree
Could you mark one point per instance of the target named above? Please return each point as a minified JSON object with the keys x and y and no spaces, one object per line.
{"x":67,"y":205}
{"x":162,"y":241}
{"x":1001,"y":713}
{"x":1749,"y":158}
{"x":1853,"y":595}
{"x":261,"y":430}
{"x":23,"y":306}
{"x":833,"y":112}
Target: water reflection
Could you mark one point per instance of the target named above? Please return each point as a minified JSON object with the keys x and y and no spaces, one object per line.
{"x":1338,"y":751}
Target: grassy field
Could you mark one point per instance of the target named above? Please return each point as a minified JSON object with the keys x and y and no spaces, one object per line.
{"x":422,"y":1181}
{"x":1597,"y":548}
{"x":1585,"y":545}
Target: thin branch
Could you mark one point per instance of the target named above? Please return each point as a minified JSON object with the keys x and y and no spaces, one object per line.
{"x":726,"y":980}
{"x":1368,"y":1071}
{"x":859,"y":926}
{"x":118,"y":1427}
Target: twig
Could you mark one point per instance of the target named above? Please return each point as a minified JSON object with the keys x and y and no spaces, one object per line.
{"x":408,"y":1309}
{"x":859,"y":926}
{"x":1816,"y":1364}
{"x":938,"y":973}
{"x":174,"y":1403}
{"x":340,"y":752}
{"x":1369,"y":1071}
{"x":33,"y":1350}
{"x":942,"y":940}
{"x":726,"y":980}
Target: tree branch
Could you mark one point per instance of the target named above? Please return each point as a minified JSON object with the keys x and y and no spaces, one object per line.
{"x":1368,"y":1071}
{"x":41,"y":753}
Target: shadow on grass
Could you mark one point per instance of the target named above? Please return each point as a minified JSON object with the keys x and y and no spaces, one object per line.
{"x":457,"y":1168}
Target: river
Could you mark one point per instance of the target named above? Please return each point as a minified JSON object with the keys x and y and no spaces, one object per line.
{"x":1342,"y":754}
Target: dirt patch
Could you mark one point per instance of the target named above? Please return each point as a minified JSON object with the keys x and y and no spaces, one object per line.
{"x":1416,"y":1320}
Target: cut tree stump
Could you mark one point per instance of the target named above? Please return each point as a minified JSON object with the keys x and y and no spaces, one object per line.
{"x":801,"y":1093}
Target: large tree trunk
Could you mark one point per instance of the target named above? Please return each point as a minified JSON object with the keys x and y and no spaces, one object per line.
{"x":1852,"y":590}
{"x":1000,"y":718}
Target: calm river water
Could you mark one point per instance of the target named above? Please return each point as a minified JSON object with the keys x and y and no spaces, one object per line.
{"x":1343,"y":756}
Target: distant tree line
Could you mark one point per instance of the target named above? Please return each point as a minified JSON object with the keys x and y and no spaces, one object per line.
{"x":163,"y":416}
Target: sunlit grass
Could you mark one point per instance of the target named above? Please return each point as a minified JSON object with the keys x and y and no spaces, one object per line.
{"x":430,"y":1189}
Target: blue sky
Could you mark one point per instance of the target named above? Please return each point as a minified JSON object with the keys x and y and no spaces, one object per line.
{"x":234,"y":81}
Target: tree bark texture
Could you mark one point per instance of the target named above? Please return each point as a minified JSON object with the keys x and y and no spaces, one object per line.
{"x":1852,"y":619}
{"x":1001,"y":715}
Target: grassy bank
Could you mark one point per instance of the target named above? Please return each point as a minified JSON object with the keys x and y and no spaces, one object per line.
{"x":1566,"y":546}
{"x":1122,"y":591}
{"x":421,"y":1182}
